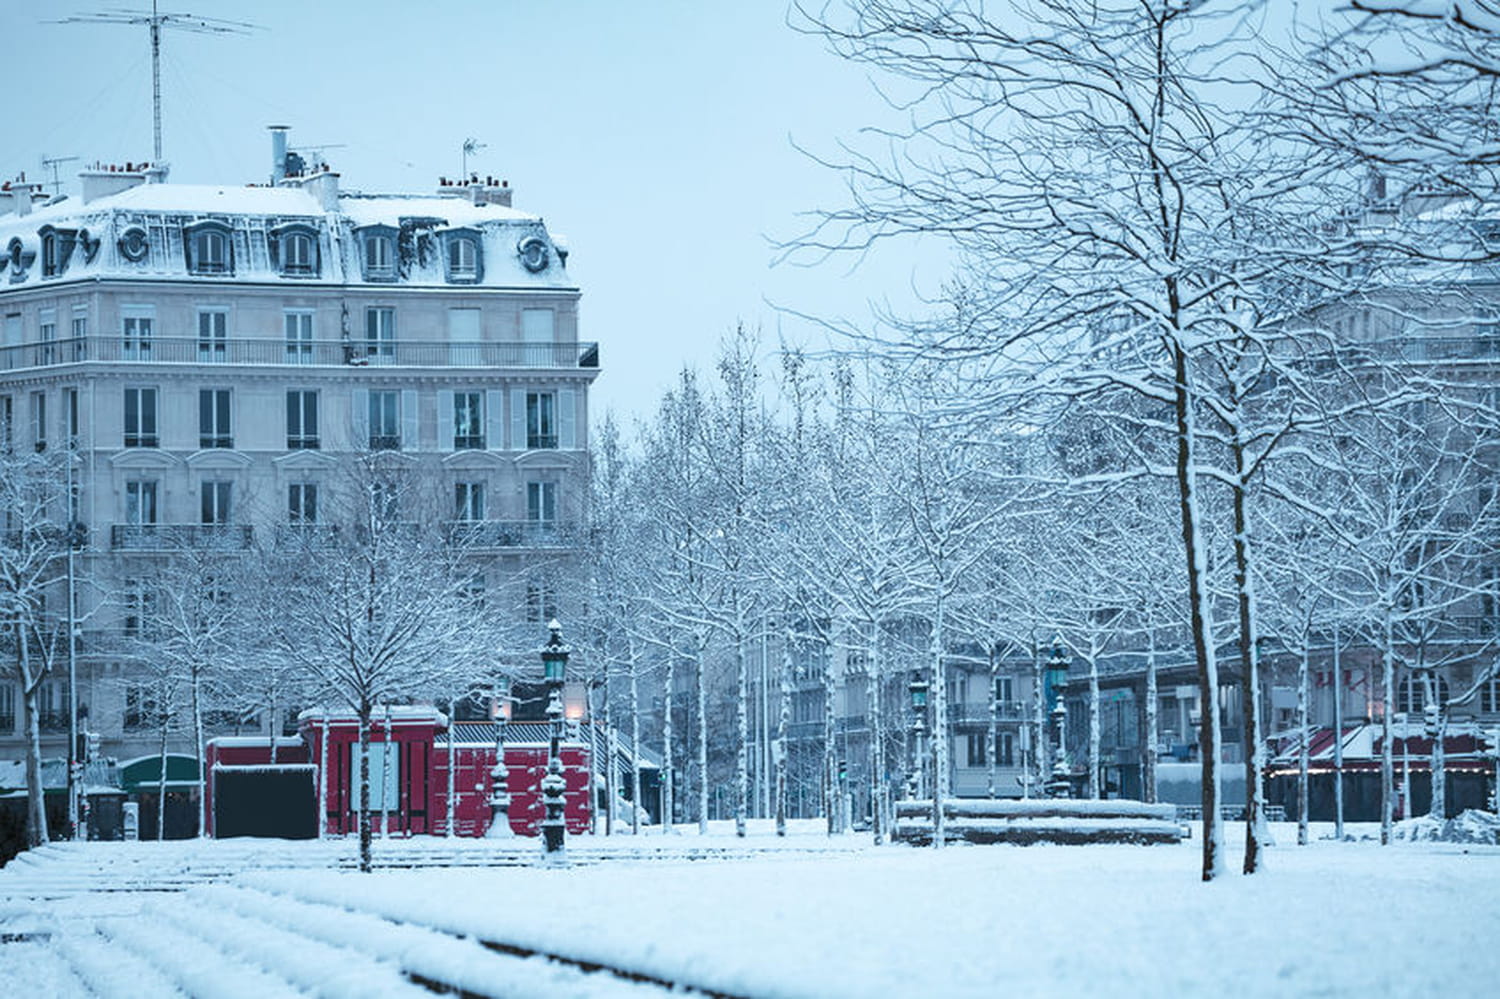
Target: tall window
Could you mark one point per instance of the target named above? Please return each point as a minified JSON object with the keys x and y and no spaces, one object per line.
{"x":213,"y":336}
{"x":7,"y":708}
{"x":468,"y":501}
{"x":976,"y":741}
{"x":541,"y":502}
{"x":214,"y":502}
{"x":51,"y":256}
{"x":297,"y":254}
{"x":302,"y":420}
{"x":39,"y":420}
{"x":380,"y":261}
{"x":1004,"y":690}
{"x":538,"y":331}
{"x":541,"y":425}
{"x":140,"y":618}
{"x":385,"y":421}
{"x":213,"y":419}
{"x":468,"y":420}
{"x":140,"y":417}
{"x":1489,"y":696}
{"x":463,"y":257}
{"x":135,"y":337}
{"x":1005,"y":749}
{"x":7,"y":422}
{"x":47,"y":336}
{"x":210,"y":252}
{"x":380,"y":332}
{"x":299,"y":337}
{"x":140,"y":502}
{"x":302,"y":503}
{"x":80,"y":331}
{"x":1412,"y":694}
{"x":541,"y":601}
{"x":70,"y":405}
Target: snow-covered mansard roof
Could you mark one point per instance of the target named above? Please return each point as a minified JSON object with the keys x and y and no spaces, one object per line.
{"x":142,"y":233}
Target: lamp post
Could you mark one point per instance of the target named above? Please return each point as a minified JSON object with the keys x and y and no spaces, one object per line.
{"x":499,"y":774}
{"x":554,"y":671}
{"x":1058,"y":786}
{"x":918,"y":689}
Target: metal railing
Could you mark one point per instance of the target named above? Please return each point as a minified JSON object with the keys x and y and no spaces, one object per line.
{"x":179,"y":537}
{"x":268,"y":350}
{"x":970,"y":714}
{"x":513,"y":533}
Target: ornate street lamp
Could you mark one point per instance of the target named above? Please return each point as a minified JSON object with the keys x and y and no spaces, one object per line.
{"x":499,"y":774}
{"x":554,"y":672}
{"x":1058,"y":786}
{"x":918,"y":689}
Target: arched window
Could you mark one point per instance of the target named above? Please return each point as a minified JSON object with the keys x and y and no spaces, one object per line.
{"x":209,"y":249}
{"x":297,"y":254}
{"x":465,"y":264}
{"x":463,"y":261}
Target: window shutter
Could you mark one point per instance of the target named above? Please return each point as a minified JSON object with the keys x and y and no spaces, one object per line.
{"x":409,"y":439}
{"x":494,"y":420}
{"x":567,"y":418}
{"x":518,"y":418}
{"x":359,"y":419}
{"x":445,"y":425}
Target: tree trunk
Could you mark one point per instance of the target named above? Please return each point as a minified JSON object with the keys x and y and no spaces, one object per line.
{"x":611,"y":792}
{"x":1387,"y":766}
{"x":783,"y":717}
{"x":196,"y":676}
{"x":702,"y":694}
{"x":1202,"y":619}
{"x":1338,"y":740}
{"x":275,"y":727}
{"x":385,"y":749}
{"x":365,"y":834}
{"x":161,"y":786}
{"x":742,"y":733}
{"x":1039,"y":755}
{"x":323,"y":776}
{"x":635,"y":751}
{"x":939,"y":726}
{"x":668,"y":776}
{"x":994,"y":700}
{"x":36,"y":802}
{"x":1256,"y":834}
{"x":448,"y":831}
{"x":1148,"y":752}
{"x":877,"y":740}
{"x":830,"y":743}
{"x":1095,"y":733}
{"x":1304,"y":751}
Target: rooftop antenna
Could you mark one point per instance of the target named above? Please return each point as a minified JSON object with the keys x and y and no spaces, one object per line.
{"x":156,"y":20}
{"x":52,"y":163}
{"x":471,"y":148}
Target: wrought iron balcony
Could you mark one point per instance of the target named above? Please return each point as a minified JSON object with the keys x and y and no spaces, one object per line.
{"x":490,"y":534}
{"x":277,"y":351}
{"x":312,"y":537}
{"x":180,"y":537}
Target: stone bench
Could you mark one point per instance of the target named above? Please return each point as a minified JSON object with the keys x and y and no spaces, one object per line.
{"x":1046,"y":820}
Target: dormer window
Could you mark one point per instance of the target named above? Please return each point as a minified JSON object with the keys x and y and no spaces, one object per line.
{"x":51,"y":257}
{"x":296,"y":249}
{"x":463,"y":257}
{"x":209,"y":251}
{"x":378,"y":253}
{"x":297,"y":254}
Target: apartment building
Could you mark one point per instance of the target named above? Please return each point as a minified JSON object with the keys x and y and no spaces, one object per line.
{"x":215,"y":354}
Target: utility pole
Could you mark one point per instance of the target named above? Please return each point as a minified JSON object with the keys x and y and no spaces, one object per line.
{"x":155,"y":21}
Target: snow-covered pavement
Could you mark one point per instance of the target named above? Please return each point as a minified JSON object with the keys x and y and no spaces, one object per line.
{"x":797,"y":919}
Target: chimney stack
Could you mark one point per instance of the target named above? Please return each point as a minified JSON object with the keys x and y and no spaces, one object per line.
{"x":278,"y":153}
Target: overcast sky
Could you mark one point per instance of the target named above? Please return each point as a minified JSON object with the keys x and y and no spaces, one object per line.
{"x":658,"y":137}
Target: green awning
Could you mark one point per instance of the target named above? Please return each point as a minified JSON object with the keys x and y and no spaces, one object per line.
{"x":144,"y":772}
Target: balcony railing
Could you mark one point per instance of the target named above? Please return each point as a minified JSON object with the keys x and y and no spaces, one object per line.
{"x":312,"y":537}
{"x":270,"y":350}
{"x":178,"y":537}
{"x":1007,"y":711}
{"x":512,"y":534}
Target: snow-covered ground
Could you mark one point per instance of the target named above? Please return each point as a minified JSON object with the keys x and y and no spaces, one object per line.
{"x":800,"y":919}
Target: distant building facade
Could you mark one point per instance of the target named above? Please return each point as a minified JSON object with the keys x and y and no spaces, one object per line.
{"x":215,"y":353}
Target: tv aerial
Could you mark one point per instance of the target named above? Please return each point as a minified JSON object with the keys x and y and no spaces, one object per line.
{"x":156,"y":20}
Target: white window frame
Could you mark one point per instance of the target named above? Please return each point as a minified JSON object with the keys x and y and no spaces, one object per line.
{"x":463,"y":257}
{"x":298,"y":436}
{"x":297,"y":324}
{"x":137,"y":328}
{"x":213,"y":335}
{"x":380,"y":333}
{"x":218,"y":430}
{"x":143,"y":396}
{"x":468,"y":420}
{"x":381,"y":262}
{"x":215,"y":502}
